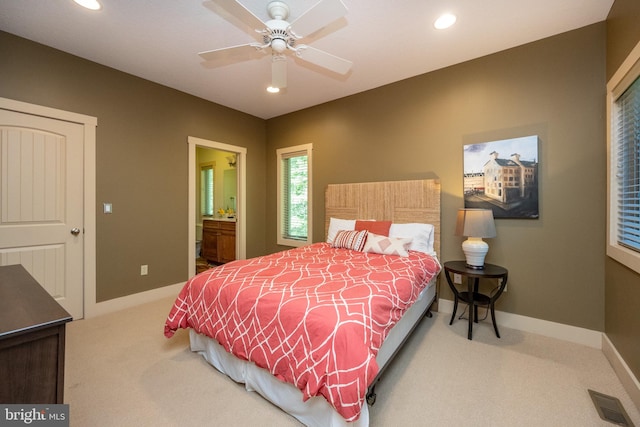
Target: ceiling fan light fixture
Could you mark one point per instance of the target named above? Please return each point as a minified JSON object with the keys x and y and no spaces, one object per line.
{"x":278,"y":45}
{"x":445,"y":21}
{"x":89,"y":4}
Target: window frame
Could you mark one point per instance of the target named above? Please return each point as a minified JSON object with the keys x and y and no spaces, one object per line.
{"x":281,"y":155}
{"x":623,"y":78}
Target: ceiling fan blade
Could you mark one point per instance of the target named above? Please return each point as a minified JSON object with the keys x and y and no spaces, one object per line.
{"x":323,"y":59}
{"x":318,"y":16}
{"x":278,"y":72}
{"x":235,"y":12}
{"x":228,"y":55}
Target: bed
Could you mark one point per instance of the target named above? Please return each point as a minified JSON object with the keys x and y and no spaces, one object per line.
{"x":312,"y":329}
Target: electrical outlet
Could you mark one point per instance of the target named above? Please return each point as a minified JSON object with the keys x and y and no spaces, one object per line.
{"x":457,"y":278}
{"x":144,"y":270}
{"x":505,"y":286}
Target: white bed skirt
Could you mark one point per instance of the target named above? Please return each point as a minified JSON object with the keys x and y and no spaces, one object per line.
{"x":316,"y":411}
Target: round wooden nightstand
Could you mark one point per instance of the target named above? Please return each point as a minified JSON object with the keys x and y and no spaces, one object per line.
{"x":472,"y":297}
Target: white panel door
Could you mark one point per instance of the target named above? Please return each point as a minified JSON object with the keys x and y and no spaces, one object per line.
{"x":41,"y":203}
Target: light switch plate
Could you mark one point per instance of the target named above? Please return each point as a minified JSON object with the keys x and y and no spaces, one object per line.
{"x":107,"y":208}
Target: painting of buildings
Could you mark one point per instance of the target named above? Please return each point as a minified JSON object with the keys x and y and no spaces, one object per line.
{"x":503,"y":176}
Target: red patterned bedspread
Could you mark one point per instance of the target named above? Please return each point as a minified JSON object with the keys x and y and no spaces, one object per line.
{"x":313,"y":316}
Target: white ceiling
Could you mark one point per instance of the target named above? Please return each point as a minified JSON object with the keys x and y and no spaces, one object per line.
{"x":387,"y":41}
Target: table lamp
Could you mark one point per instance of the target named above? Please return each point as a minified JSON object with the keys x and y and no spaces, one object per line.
{"x":475,"y":224}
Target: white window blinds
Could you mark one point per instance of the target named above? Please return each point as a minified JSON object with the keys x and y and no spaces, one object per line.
{"x":206,"y":189}
{"x":627,"y":129}
{"x":295,"y":186}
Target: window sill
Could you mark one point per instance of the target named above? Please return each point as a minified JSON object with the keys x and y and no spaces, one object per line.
{"x":625,"y":256}
{"x":293,"y":243}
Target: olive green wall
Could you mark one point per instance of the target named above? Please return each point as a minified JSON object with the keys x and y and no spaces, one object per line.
{"x":142,"y":159}
{"x":553,"y":88}
{"x":622,"y":285}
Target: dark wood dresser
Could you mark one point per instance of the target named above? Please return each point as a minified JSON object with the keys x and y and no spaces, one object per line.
{"x":32,"y":333}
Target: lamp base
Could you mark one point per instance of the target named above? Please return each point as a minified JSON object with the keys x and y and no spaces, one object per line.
{"x":475,"y":249}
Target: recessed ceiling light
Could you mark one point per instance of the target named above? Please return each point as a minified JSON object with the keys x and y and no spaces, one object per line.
{"x":89,"y":4}
{"x":272,"y":89}
{"x":445,"y":21}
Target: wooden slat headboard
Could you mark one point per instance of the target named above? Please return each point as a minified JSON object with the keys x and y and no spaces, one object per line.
{"x":398,"y":201}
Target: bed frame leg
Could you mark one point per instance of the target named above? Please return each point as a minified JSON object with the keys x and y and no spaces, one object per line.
{"x":371,"y":395}
{"x":429,"y":314}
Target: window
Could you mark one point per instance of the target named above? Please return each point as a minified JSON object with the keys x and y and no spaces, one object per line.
{"x":294,"y":195}
{"x":207,"y":174}
{"x":623,"y":149}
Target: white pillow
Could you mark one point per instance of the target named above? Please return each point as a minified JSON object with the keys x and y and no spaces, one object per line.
{"x":336,"y":224}
{"x":387,"y":245}
{"x":422,"y":236}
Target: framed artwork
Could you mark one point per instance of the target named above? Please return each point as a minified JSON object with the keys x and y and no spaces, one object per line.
{"x":503,"y":176}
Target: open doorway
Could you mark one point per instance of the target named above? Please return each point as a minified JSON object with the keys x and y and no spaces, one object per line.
{"x":221,"y":202}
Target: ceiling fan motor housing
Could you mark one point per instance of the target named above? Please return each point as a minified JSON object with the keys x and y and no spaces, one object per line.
{"x":279,"y":36}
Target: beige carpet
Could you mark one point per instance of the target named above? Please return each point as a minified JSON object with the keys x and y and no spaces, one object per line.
{"x":122,"y":371}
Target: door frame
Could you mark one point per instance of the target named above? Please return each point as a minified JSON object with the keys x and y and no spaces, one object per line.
{"x":89,"y":124}
{"x":241,"y":219}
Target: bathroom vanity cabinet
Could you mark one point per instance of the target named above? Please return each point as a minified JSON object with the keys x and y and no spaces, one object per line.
{"x":218,"y":241}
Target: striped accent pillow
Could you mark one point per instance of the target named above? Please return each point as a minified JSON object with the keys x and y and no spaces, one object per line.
{"x":348,"y":239}
{"x":387,"y":245}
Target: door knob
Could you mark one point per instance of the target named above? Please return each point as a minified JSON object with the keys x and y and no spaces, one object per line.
{"x":75,"y":231}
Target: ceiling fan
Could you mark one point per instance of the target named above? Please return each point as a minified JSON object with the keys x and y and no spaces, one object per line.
{"x":279,"y":37}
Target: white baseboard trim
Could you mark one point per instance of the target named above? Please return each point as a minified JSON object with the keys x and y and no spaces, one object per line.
{"x":117,"y":304}
{"x":622,"y":370}
{"x":569,"y":333}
